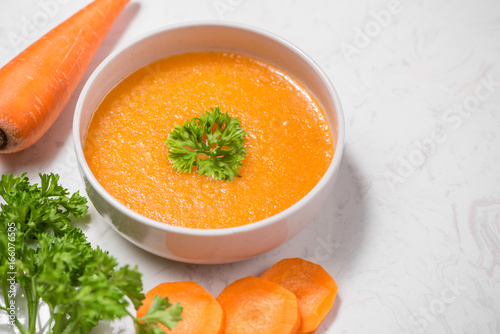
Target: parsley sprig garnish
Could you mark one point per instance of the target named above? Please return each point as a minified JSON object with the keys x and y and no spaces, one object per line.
{"x":44,"y":259}
{"x":213,"y":142}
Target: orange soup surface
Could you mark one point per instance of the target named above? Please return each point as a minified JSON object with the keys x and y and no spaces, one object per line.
{"x":289,"y":143}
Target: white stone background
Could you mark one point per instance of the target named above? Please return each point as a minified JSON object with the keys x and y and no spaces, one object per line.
{"x":411,"y":232}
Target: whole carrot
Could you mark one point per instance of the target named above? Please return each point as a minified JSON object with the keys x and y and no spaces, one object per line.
{"x":37,"y":84}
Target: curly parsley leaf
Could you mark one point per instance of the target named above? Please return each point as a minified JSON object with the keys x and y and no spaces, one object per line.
{"x":160,"y":311}
{"x":212,"y":142}
{"x":53,"y":262}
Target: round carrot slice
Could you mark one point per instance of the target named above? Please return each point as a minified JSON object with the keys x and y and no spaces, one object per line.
{"x":255,"y":305}
{"x":314,"y":287}
{"x":201,"y":312}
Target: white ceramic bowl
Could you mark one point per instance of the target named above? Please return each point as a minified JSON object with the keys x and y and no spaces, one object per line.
{"x":203,"y":245}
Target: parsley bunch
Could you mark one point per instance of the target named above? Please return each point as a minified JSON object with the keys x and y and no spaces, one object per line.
{"x":43,"y":257}
{"x":213,"y":142}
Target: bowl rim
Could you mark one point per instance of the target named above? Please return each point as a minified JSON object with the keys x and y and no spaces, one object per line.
{"x":89,"y":176}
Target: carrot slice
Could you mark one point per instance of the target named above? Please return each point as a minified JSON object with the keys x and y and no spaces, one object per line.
{"x":37,"y":84}
{"x":255,"y":305}
{"x":314,"y":287}
{"x":201,"y":312}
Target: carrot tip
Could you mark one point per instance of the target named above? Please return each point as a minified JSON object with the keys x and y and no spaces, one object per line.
{"x":3,"y":139}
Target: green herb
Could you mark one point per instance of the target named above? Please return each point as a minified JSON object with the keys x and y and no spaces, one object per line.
{"x":156,"y":314}
{"x":47,"y":260}
{"x":212,"y":142}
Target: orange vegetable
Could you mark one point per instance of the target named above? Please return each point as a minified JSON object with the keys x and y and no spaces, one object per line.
{"x":36,"y":85}
{"x":201,"y":312}
{"x":271,"y":105}
{"x":255,"y":305}
{"x":314,"y":287}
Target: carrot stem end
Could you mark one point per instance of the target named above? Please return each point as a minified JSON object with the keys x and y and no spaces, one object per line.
{"x":3,"y":139}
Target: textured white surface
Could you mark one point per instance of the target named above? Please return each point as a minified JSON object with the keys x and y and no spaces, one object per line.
{"x":411,"y":232}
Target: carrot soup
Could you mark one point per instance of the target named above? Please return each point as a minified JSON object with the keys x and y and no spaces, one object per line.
{"x":289,"y":145}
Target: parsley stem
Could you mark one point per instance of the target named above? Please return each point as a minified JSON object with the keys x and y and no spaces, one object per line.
{"x":58,"y":323}
{"x":51,"y":319}
{"x":32,"y":304}
{"x":7,"y":302}
{"x":4,"y":290}
{"x":69,"y":328}
{"x":20,"y":327}
{"x":29,"y":297}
